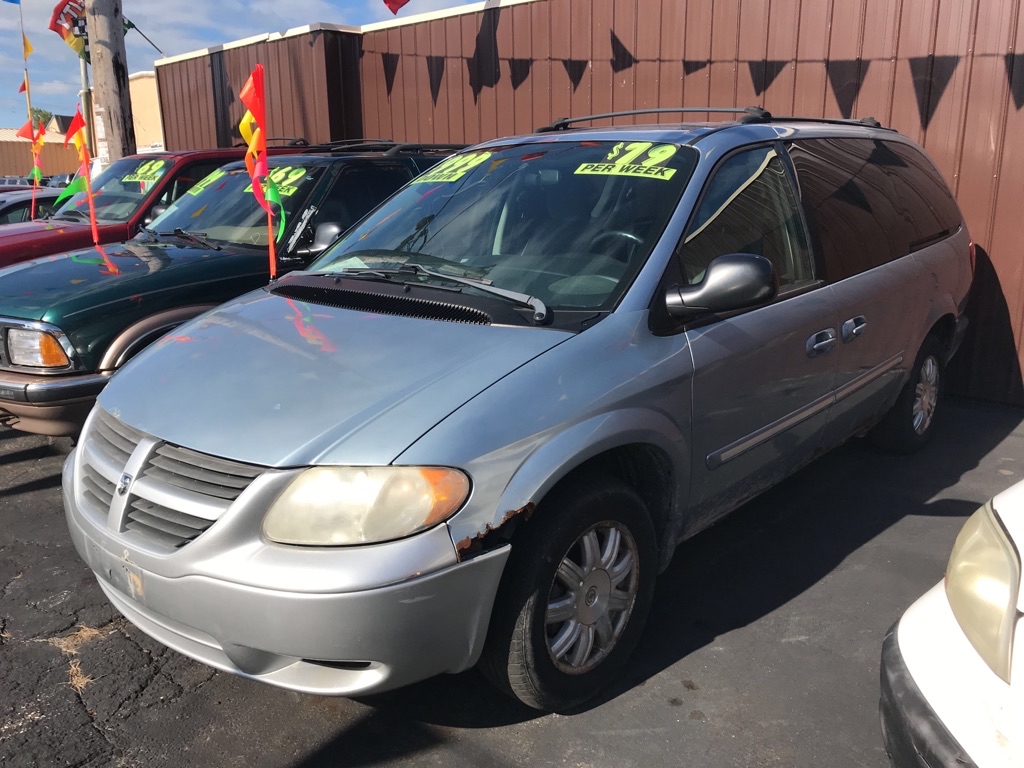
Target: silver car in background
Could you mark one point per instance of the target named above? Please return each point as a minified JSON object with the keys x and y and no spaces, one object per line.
{"x":476,"y":429}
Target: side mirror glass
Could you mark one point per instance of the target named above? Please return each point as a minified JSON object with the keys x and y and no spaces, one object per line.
{"x":155,"y":211}
{"x":326,"y":234}
{"x":731,"y":282}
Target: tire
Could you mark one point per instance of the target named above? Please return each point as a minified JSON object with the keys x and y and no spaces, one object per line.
{"x":553,"y":647}
{"x":909,"y":424}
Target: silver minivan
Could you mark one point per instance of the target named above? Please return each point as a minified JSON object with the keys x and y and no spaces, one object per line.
{"x":475,"y":430}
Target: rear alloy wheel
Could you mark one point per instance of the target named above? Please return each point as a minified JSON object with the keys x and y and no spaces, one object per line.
{"x":574,"y":597}
{"x":909,"y":424}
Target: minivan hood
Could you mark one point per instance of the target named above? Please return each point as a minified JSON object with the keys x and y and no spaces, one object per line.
{"x":280,"y":382}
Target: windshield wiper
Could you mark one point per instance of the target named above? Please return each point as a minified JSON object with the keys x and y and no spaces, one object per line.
{"x":196,"y":237}
{"x":67,"y":215}
{"x":540,"y":311}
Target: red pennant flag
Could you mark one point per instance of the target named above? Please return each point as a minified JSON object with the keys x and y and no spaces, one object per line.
{"x":77,"y":124}
{"x":394,"y":5}
{"x":27,"y":131}
{"x":21,"y":88}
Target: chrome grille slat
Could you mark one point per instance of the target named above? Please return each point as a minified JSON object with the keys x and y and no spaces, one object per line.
{"x":198,"y":473}
{"x":181,"y":499}
{"x":173,"y":516}
{"x":115,"y":439}
{"x":153,"y":535}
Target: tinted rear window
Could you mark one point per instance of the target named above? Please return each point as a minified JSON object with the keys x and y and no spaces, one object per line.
{"x":869,"y":201}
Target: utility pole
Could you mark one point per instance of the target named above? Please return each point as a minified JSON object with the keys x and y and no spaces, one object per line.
{"x":115,"y":128}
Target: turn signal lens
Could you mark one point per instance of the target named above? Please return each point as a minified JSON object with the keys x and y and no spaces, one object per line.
{"x":39,"y":349}
{"x":982,"y":584}
{"x":339,"y":506}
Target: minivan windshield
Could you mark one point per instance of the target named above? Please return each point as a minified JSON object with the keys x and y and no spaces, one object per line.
{"x":223,"y":208}
{"x":119,"y":191}
{"x":568,"y":222}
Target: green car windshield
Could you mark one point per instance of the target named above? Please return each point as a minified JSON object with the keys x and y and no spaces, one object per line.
{"x":223,"y":209}
{"x":119,"y":191}
{"x":568,"y":222}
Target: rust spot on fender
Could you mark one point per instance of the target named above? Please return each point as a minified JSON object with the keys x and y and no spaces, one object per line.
{"x":493,"y":535}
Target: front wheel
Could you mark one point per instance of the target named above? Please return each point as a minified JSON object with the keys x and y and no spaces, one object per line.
{"x":909,"y":424}
{"x":575,"y":595}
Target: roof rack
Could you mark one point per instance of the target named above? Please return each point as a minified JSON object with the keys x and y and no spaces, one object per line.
{"x":870,"y":122}
{"x":750,"y":115}
{"x":388,"y":146}
{"x":398,"y":148}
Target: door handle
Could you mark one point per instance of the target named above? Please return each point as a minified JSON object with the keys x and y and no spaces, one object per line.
{"x":821,"y":342}
{"x":854,"y":327}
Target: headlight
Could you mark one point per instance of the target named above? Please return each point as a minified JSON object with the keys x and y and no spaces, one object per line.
{"x":39,"y":349}
{"x":982,"y":584}
{"x":335,"y":506}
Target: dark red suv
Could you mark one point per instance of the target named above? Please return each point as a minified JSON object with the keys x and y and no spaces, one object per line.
{"x":130,"y":192}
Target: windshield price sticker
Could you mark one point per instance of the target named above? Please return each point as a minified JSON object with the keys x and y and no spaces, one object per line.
{"x":453,"y":169}
{"x":148,"y":173}
{"x":640,"y":158}
{"x":286,"y":179}
{"x":203,"y":183}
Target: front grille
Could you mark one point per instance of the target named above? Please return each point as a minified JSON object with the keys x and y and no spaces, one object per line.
{"x":116,"y":439}
{"x":199,"y":473}
{"x":177,"y":494}
{"x":165,"y":526}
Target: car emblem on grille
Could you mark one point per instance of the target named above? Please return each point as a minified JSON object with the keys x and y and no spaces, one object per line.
{"x":123,"y":483}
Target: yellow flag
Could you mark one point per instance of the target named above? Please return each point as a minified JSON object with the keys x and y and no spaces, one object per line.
{"x":26,"y":46}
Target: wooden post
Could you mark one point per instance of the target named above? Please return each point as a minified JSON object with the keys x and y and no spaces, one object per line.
{"x":115,"y":129}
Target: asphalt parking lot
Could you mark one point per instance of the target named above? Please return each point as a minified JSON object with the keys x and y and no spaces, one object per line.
{"x":762,"y":649}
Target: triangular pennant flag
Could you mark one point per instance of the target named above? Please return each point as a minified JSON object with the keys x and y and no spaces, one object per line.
{"x":24,"y":83}
{"x":931,"y":77}
{"x":26,"y":46}
{"x":575,"y":69}
{"x":1015,"y":77}
{"x":390,"y":61}
{"x":77,"y":185}
{"x":251,"y":96}
{"x":846,"y":78}
{"x":694,"y":65}
{"x":621,"y":57}
{"x":484,"y":71}
{"x":395,"y":5}
{"x":77,"y":124}
{"x":435,"y":71}
{"x":27,"y":131}
{"x":763,"y":73}
{"x":520,"y":70}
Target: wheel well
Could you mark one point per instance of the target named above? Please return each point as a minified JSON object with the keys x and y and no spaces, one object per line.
{"x":644,"y":468}
{"x":944,"y":330}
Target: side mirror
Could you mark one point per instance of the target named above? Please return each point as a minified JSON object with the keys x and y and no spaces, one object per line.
{"x":326,"y":234}
{"x":155,"y":211}
{"x":734,"y":281}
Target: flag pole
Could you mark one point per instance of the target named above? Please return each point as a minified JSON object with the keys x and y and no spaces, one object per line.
{"x":28,"y":104}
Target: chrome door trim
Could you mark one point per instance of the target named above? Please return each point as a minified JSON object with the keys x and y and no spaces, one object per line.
{"x":866,"y":378}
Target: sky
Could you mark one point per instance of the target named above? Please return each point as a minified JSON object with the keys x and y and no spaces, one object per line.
{"x":176,"y":26}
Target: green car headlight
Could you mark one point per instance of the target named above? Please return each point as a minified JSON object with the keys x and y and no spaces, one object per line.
{"x":982,"y":586}
{"x":338,"y":506}
{"x":39,"y":349}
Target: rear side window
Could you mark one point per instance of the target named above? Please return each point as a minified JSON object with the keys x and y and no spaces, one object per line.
{"x":358,"y":189}
{"x":869,"y":202}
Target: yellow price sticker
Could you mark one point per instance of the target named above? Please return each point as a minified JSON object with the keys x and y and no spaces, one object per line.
{"x":453,"y":169}
{"x":639,"y":158}
{"x":285,"y":178}
{"x":205,"y":182}
{"x":147,"y":173}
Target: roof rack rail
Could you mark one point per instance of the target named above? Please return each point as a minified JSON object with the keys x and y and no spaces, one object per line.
{"x":291,"y":141}
{"x":750,"y":115}
{"x":425,"y":147}
{"x":870,"y":122}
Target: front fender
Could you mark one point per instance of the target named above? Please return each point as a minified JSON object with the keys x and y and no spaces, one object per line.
{"x":547,"y":459}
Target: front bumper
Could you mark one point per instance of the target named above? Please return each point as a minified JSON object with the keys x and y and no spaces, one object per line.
{"x":48,"y":405}
{"x":914,"y":735}
{"x":329,"y":642}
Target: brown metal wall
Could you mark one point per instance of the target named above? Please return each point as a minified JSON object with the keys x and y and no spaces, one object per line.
{"x":937,"y":71}
{"x":16,"y":158}
{"x":199,"y":96}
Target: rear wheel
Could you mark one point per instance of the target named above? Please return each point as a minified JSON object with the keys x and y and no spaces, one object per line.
{"x":909,"y":424}
{"x":574,"y":597}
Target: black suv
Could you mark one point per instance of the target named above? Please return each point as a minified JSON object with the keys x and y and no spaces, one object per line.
{"x":68,"y":322}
